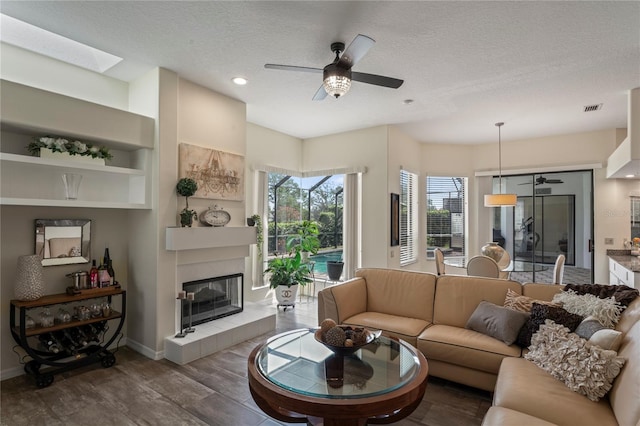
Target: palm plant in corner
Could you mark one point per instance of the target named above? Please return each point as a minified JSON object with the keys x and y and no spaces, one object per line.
{"x":187,"y":187}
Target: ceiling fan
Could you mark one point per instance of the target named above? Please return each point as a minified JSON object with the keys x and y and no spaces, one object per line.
{"x":337,"y":76}
{"x":541,"y":180}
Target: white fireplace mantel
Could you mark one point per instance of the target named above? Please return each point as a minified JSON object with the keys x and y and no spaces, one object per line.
{"x":214,"y":237}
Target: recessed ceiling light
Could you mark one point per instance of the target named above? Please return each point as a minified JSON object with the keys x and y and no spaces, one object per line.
{"x":630,"y":176}
{"x":35,"y":39}
{"x":407,"y":101}
{"x":240,"y":81}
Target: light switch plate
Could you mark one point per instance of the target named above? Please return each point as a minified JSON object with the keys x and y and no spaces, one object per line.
{"x":608,"y":241}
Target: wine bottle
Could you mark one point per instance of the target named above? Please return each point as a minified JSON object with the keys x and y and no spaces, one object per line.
{"x":78,"y":336}
{"x":47,"y":342}
{"x":90,"y":332}
{"x":60,"y":340}
{"x":104,"y":279}
{"x":112,"y":274}
{"x":93,"y":274}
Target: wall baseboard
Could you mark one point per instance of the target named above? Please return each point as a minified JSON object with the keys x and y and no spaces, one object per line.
{"x":144,"y":350}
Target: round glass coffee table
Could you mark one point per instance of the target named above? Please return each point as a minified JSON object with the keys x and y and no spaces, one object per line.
{"x":293,"y":378}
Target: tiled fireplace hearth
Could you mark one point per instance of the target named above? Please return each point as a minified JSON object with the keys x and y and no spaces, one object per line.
{"x":204,"y":255}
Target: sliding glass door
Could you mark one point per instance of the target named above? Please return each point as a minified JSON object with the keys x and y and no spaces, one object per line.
{"x":553,"y":216}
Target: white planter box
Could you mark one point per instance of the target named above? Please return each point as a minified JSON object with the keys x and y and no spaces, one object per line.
{"x":65,"y":156}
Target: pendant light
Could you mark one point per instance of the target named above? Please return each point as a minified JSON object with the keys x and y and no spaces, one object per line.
{"x":500,"y":199}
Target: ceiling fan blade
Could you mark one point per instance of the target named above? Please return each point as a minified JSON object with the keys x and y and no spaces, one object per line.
{"x":320,"y":94}
{"x":293,"y":68}
{"x":355,"y":51}
{"x":378,"y":80}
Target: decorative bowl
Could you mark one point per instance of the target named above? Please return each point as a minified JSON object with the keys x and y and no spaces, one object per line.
{"x":347,"y":350}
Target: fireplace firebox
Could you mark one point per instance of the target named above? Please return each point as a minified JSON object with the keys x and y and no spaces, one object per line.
{"x":213,"y":298}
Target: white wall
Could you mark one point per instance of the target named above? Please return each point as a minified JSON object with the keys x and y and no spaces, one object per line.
{"x":32,"y":69}
{"x":367,"y":147}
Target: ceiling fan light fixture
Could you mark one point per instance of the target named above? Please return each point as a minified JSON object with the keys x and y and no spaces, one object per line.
{"x":500,"y":199}
{"x":337,"y":81}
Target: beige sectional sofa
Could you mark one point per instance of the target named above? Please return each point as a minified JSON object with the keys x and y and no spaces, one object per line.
{"x":431,"y":312}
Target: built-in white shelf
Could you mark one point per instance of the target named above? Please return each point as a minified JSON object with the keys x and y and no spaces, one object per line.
{"x":42,"y":113}
{"x":35,"y":181}
{"x":210,"y":237}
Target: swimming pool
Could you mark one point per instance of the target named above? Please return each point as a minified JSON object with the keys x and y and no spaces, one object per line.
{"x":322,"y":258}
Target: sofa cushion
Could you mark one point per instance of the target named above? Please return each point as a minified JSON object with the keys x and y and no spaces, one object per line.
{"x":541,"y":291}
{"x":499,"y":416}
{"x":522,"y":386}
{"x":402,"y":293}
{"x":497,"y":321}
{"x":583,"y":367}
{"x":458,"y":296}
{"x":597,"y":334}
{"x":464,"y":347}
{"x":539,"y":313}
{"x":405,"y":328}
{"x":607,"y":311}
{"x":629,"y":317}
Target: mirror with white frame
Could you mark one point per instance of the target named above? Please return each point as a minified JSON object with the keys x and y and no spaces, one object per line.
{"x":63,"y":241}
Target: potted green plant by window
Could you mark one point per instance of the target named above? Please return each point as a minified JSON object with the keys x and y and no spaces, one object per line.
{"x":306,"y":240}
{"x":187,"y":187}
{"x":290,"y":271}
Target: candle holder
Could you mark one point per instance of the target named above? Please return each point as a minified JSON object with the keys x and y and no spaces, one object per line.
{"x":181,"y":297}
{"x":190,"y":299}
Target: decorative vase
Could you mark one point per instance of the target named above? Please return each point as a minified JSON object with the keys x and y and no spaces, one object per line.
{"x":492,"y":250}
{"x":29,"y":279}
{"x":334,"y":270}
{"x":251,"y":221}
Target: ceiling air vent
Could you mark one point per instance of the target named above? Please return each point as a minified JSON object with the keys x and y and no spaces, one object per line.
{"x":595,"y":107}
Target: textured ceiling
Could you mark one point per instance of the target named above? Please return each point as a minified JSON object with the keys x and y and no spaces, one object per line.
{"x":466,"y":65}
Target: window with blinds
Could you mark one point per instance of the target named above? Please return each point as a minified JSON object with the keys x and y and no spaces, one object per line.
{"x":446,"y":221}
{"x":408,"y":217}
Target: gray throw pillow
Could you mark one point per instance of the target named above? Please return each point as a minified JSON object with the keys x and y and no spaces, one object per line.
{"x":497,"y":321}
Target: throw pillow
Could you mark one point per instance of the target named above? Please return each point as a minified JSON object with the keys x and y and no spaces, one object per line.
{"x":539,"y":313}
{"x":622,"y":293}
{"x":581,"y":366}
{"x":497,"y":321}
{"x":588,"y":326}
{"x":607,"y":311}
{"x":522,"y":303}
{"x":607,"y":339}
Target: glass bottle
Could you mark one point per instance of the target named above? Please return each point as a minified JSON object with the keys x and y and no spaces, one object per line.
{"x":104,"y":279}
{"x":112,"y":274}
{"x":47,"y":342}
{"x":93,"y":275}
{"x":45,"y":318}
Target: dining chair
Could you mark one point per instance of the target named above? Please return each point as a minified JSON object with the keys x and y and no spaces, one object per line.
{"x":483,"y":266}
{"x":439,"y":256}
{"x":558,"y":269}
{"x":503,"y":264}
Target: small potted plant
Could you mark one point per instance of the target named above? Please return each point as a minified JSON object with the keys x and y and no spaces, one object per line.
{"x":306,"y":240}
{"x":187,"y":187}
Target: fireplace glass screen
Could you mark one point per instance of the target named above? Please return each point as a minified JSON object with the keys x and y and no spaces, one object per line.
{"x":213,"y":298}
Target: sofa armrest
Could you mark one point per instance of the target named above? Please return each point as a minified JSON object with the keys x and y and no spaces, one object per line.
{"x":342,"y":301}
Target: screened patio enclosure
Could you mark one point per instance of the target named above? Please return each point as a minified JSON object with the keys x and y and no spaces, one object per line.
{"x":294,"y":199}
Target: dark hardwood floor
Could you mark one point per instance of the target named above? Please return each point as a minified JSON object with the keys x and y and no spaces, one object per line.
{"x":209,"y":391}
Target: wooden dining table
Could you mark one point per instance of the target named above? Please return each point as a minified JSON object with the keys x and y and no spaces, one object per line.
{"x":513,"y":266}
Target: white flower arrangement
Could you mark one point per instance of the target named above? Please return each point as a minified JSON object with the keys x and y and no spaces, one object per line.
{"x":56,"y":144}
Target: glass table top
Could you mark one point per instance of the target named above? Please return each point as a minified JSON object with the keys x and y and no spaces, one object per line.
{"x":297,"y":362}
{"x":514,"y":265}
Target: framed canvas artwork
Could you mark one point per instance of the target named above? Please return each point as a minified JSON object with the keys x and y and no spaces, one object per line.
{"x":219,"y":174}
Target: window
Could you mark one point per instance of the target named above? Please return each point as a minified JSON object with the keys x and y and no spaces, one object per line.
{"x":408,"y":217}
{"x":446,"y":222}
{"x":293,"y":199}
